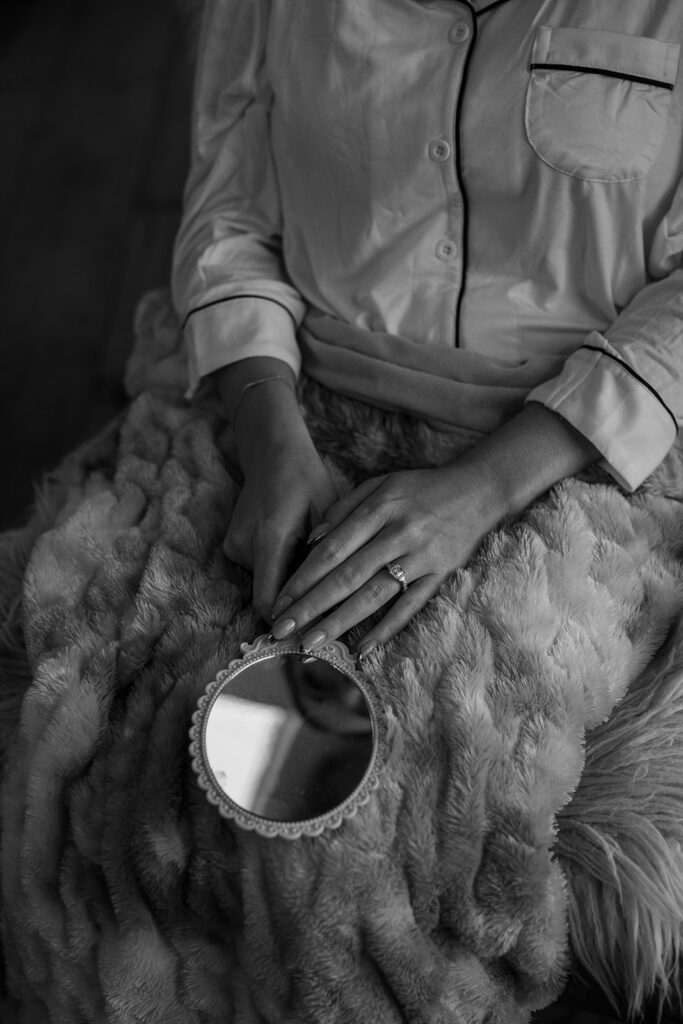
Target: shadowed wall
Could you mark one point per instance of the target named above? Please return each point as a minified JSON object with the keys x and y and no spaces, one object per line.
{"x":94,"y":107}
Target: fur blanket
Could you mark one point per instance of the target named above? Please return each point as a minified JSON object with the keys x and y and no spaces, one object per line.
{"x":528,"y":819}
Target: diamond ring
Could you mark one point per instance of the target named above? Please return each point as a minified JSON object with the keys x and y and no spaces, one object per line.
{"x":397,"y":571}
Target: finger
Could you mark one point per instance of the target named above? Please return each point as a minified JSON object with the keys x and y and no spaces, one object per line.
{"x":336,"y":548}
{"x":367,"y":598}
{"x":233,"y":549}
{"x":271,"y":559}
{"x":373,"y":595}
{"x":400,"y":614}
{"x":320,"y":506}
{"x":340,"y":509}
{"x":335,"y":586}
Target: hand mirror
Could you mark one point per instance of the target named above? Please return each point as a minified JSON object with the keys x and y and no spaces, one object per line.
{"x":288,"y":743}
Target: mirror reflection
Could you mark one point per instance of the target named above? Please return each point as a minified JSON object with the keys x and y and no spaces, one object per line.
{"x":289,"y":737}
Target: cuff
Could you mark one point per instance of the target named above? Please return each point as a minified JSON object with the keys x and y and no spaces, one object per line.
{"x":228,"y":330}
{"x":612,"y":406}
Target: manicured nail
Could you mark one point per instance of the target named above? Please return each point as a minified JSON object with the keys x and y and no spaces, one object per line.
{"x":283,"y":629}
{"x":281,"y":605}
{"x":318,"y":533}
{"x":314,"y":639}
{"x":366,"y":649}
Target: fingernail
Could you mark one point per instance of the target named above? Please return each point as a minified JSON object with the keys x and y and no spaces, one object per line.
{"x":271,"y":638}
{"x":281,"y":605}
{"x":313,"y":640}
{"x":366,"y":649}
{"x":283,"y":629}
{"x":318,"y":533}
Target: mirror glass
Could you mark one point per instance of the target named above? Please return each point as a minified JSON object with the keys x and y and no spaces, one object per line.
{"x":286,"y":738}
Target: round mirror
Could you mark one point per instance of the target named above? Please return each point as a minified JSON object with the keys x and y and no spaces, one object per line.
{"x":287,"y":743}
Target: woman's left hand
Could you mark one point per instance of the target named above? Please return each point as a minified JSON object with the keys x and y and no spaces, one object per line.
{"x":429,"y":521}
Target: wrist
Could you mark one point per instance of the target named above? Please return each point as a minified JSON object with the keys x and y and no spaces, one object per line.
{"x":258,"y":395}
{"x":529,"y":454}
{"x":256,"y":401}
{"x":233,"y":380}
{"x":269,"y":423}
{"x":267,"y":420}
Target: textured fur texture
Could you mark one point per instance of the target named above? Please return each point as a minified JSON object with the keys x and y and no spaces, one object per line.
{"x":449,"y":898}
{"x":620,"y":840}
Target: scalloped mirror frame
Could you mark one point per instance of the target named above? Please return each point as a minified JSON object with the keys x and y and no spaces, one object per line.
{"x":337,"y":654}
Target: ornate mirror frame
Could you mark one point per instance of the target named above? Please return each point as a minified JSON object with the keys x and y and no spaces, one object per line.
{"x":336,"y":654}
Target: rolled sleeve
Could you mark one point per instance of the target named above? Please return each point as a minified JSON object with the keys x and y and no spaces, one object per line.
{"x":616,"y":409}
{"x":229,"y":282}
{"x":227,"y":330}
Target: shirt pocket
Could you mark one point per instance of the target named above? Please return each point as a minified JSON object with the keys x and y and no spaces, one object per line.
{"x":597,"y":102}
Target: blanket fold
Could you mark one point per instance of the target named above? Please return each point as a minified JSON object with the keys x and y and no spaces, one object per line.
{"x":483,"y":867}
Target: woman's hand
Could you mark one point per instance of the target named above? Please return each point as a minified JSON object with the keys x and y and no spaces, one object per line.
{"x":286,"y":490}
{"x":428,"y":521}
{"x":286,"y":486}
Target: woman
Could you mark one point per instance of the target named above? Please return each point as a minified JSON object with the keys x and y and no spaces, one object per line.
{"x":470,"y":212}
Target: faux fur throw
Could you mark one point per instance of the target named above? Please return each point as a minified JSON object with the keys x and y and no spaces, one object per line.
{"x":451,"y":897}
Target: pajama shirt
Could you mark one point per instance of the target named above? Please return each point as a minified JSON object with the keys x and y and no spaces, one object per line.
{"x":448,"y":208}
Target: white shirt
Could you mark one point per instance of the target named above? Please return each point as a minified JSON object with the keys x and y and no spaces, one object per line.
{"x":402,"y":189}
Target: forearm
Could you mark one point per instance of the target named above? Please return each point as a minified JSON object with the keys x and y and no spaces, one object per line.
{"x":225,"y":247}
{"x":623,"y":387}
{"x":232,"y":380}
{"x":285,"y":486}
{"x":229,"y":280}
{"x":266,"y":416}
{"x":526,"y":456}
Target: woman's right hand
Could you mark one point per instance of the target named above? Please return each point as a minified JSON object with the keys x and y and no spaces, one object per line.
{"x":287,"y":488}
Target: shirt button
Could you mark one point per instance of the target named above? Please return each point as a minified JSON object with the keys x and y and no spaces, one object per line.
{"x":445,"y":249}
{"x":439,"y":150}
{"x":460,"y":32}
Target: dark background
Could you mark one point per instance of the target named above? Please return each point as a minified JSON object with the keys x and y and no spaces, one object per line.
{"x":94,"y":117}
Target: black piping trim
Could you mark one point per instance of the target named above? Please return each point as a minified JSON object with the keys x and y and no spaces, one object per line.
{"x":601,"y":71}
{"x":457,"y":130}
{"x":229,"y":298}
{"x":490,"y":7}
{"x":604,"y":352}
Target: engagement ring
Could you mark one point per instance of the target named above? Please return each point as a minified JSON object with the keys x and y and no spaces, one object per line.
{"x":395,"y":570}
